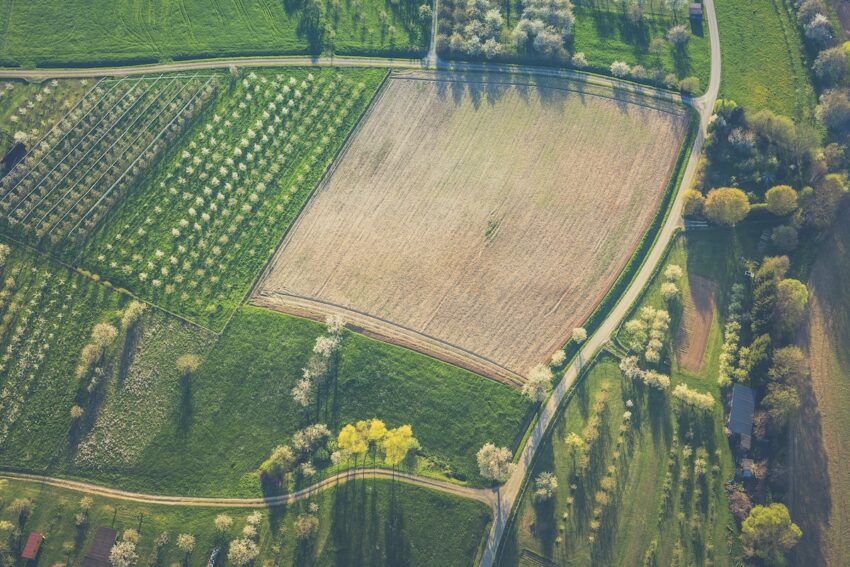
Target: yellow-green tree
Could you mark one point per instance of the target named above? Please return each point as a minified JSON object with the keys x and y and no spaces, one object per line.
{"x":397,"y":443}
{"x":352,"y":441}
{"x":692,"y":202}
{"x":769,"y":533}
{"x":781,"y":200}
{"x":727,"y":206}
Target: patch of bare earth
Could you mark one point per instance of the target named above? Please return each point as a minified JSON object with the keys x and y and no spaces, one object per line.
{"x":820,"y":439}
{"x":479,"y":221}
{"x":697,"y":315}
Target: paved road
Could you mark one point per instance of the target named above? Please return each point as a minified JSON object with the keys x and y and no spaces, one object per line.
{"x":482,"y":495}
{"x":511,"y":489}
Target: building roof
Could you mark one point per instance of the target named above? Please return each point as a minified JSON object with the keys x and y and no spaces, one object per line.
{"x":33,"y":545}
{"x":695,"y":9}
{"x":741,"y":415}
{"x":747,"y":468}
{"x":98,"y":555}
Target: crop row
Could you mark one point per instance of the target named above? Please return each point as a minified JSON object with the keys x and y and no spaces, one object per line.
{"x":97,"y":153}
{"x":195,"y":240}
{"x":44,"y":312}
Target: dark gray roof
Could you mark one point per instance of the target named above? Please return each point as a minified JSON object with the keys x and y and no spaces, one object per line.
{"x":98,"y":555}
{"x":741,"y":414}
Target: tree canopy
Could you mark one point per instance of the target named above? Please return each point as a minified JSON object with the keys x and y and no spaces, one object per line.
{"x":768,"y":533}
{"x":727,"y":206}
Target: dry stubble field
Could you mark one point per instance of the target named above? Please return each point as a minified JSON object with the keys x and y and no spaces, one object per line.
{"x":479,"y":221}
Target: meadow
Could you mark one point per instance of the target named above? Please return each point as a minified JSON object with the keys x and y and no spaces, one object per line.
{"x":820,"y":487}
{"x":659,"y":507}
{"x":197,"y":232}
{"x":762,"y":58}
{"x":85,"y":33}
{"x":479,"y":198}
{"x":405,"y":525}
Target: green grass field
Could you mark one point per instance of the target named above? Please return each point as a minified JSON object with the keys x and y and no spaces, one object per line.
{"x":762,"y":64}
{"x":84,"y":32}
{"x":640,"y":513}
{"x":151,"y":432}
{"x":197,"y":231}
{"x":403,"y":525}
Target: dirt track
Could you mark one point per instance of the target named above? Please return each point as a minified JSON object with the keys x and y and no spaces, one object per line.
{"x":484,"y":496}
{"x":697,"y":316}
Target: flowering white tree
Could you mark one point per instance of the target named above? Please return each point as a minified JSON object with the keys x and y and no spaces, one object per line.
{"x":538,"y":385}
{"x":545,"y":486}
{"x":123,"y":554}
{"x":545,"y":26}
{"x":242,"y":551}
{"x":579,"y":335}
{"x":186,"y":543}
{"x":620,"y":69}
{"x":494,"y":463}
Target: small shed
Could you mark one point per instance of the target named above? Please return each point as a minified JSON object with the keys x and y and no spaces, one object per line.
{"x":695,"y":12}
{"x":98,"y":555}
{"x":32,"y":546}
{"x":740,"y":420}
{"x":747,"y":468}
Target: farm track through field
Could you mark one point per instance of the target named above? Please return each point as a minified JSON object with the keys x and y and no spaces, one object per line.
{"x":510,"y":492}
{"x":483,"y":495}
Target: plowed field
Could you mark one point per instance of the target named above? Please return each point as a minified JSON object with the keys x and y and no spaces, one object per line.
{"x":481,"y":220}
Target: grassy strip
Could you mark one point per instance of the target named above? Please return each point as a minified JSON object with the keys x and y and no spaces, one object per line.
{"x":207,"y":436}
{"x":403,"y":525}
{"x":762,"y":65}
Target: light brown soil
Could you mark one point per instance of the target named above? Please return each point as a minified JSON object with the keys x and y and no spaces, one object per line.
{"x":487,"y":218}
{"x":697,"y":315}
{"x":820,"y":441}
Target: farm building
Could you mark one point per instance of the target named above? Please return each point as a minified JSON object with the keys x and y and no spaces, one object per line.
{"x":695,"y":12}
{"x":32,"y":546}
{"x":740,"y":421}
{"x":98,"y":555}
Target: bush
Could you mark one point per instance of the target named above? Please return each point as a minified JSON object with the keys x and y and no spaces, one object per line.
{"x":689,"y":84}
{"x":693,"y":202}
{"x":781,"y":200}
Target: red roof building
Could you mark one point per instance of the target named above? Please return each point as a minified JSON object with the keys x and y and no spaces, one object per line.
{"x":33,"y":545}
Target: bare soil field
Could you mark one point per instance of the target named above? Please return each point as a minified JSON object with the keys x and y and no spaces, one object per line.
{"x":820,"y":446}
{"x":486,"y":219}
{"x":697,"y":314}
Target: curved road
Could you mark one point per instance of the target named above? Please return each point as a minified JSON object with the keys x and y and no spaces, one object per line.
{"x":503,"y":500}
{"x":483,"y":495}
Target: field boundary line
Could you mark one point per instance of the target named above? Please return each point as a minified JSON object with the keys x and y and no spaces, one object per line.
{"x":343,"y":148}
{"x":311,"y":308}
{"x":483,"y":495}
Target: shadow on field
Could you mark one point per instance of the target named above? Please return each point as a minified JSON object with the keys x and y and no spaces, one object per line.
{"x":363,"y":533}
